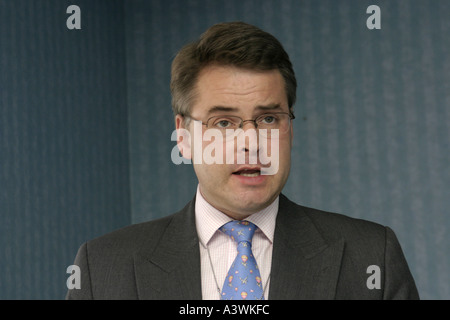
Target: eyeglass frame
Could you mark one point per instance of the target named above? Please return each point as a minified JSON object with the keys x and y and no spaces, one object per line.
{"x":290,"y":114}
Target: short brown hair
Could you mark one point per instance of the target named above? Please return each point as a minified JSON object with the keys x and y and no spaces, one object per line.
{"x":235,"y":44}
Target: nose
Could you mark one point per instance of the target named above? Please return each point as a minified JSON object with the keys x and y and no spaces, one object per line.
{"x":251,"y":121}
{"x":248,"y":140}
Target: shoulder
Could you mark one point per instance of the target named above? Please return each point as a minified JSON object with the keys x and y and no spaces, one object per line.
{"x":132,"y":238}
{"x":340,"y":225}
{"x":364,"y":244}
{"x":333,"y":226}
{"x":142,"y":236}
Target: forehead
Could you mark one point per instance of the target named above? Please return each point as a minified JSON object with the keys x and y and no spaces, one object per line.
{"x":240,"y":90}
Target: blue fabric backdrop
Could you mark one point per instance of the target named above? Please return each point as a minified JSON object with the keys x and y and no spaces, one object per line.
{"x":86,"y":122}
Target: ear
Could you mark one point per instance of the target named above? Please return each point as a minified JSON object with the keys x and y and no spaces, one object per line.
{"x":183,"y":137}
{"x":292,"y":133}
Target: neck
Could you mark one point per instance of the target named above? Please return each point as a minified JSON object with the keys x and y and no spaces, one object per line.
{"x":237,"y":213}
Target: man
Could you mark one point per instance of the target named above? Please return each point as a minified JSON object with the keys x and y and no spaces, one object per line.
{"x":240,"y":237}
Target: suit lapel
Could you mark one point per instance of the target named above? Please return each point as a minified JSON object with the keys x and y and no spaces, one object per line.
{"x":304,"y":264}
{"x":172,"y":270}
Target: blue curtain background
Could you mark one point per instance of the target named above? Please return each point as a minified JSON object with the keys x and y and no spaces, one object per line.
{"x":64,"y":168}
{"x":86,"y":123}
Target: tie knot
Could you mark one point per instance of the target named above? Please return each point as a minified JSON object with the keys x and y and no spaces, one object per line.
{"x":239,"y":230}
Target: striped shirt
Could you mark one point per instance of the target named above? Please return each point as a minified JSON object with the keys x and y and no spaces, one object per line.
{"x":223,"y":250}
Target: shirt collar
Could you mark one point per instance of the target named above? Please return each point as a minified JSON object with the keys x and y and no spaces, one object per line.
{"x":208,"y":219}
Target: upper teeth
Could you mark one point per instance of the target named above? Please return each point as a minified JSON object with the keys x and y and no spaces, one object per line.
{"x":249,"y":174}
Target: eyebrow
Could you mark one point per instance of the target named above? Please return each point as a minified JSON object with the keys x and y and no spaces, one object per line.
{"x":270,"y":107}
{"x":222,"y":109}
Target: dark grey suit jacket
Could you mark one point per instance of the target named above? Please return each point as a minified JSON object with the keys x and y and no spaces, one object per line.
{"x":316,"y":255}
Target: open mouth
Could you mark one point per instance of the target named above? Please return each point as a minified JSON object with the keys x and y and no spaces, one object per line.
{"x":248,"y":172}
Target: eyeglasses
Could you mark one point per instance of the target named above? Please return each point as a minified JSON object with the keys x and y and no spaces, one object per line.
{"x":228,"y":124}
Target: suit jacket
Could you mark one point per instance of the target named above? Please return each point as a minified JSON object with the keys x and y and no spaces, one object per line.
{"x":316,"y":255}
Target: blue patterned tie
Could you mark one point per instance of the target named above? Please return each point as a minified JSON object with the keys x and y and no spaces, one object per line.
{"x":243,"y":281}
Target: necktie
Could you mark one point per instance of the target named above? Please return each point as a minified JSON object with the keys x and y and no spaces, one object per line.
{"x":243,"y":281}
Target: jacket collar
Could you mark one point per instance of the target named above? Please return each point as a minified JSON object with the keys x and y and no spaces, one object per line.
{"x":304,"y":264}
{"x":172,"y":269}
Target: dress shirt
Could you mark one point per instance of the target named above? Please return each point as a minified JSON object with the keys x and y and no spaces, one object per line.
{"x":223,"y":250}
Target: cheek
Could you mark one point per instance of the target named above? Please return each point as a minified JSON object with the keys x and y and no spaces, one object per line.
{"x":276,"y":154}
{"x":285,"y":157}
{"x":211,"y":174}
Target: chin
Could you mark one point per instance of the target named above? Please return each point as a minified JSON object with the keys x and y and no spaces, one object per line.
{"x":254,"y":201}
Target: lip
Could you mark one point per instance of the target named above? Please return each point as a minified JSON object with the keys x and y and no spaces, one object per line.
{"x":249,"y":181}
{"x":247,"y":168}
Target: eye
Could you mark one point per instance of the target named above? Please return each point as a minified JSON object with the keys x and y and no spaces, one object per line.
{"x":225,"y":123}
{"x":268,"y":119}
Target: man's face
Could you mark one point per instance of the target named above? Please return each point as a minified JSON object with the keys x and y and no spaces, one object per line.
{"x":223,"y":90}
